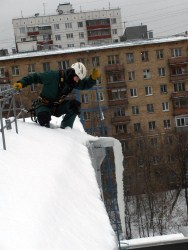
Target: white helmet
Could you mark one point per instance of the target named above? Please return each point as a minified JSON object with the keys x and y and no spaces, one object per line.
{"x":80,"y":69}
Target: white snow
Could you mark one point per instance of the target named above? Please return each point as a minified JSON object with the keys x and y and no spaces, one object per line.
{"x":49,"y":194}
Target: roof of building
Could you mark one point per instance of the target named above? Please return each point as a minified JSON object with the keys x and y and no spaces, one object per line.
{"x":94,"y":48}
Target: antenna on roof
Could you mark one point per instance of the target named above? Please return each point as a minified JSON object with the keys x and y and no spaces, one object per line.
{"x":44,"y":8}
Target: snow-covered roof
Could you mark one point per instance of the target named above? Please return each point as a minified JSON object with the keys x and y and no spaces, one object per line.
{"x":94,"y":48}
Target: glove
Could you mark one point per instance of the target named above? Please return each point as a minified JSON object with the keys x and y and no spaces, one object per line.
{"x":95,"y":74}
{"x":18,"y":85}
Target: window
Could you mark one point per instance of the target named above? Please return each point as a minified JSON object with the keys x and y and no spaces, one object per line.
{"x":22,"y":30}
{"x":146,"y":73}
{"x":133,"y":92}
{"x":140,"y":143}
{"x":119,"y":112}
{"x":81,"y":34}
{"x":15,"y":70}
{"x":150,"y":108}
{"x":125,"y":145}
{"x":148,"y":90}
{"x":166,"y":124}
{"x":95,"y":61}
{"x":118,"y":94}
{"x":165,"y":106}
{"x":84,"y":98}
{"x":113,"y":21}
{"x":170,"y":158}
{"x":82,"y":44}
{"x":31,"y":68}
{"x":176,"y":52}
{"x":151,"y":125}
{"x":131,"y":75}
{"x":2,"y":72}
{"x":70,"y":45}
{"x":129,"y":57}
{"x":135,"y":110}
{"x":179,"y":86}
{"x":63,"y":64}
{"x":114,"y":31}
{"x":114,"y":59}
{"x":153,"y":141}
{"x":182,"y":121}
{"x":86,"y":116}
{"x":144,"y":56}
{"x":168,"y":140}
{"x":80,"y":24}
{"x":161,"y":72}
{"x":121,"y":128}
{"x":155,"y":160}
{"x":137,"y":127}
{"x":140,"y":162}
{"x":82,"y":60}
{"x":160,"y":54}
{"x":46,"y":66}
{"x":163,"y":88}
{"x":68,"y":25}
{"x":56,"y":26}
{"x":57,"y":37}
{"x":114,"y":76}
{"x":100,"y":96}
{"x":69,"y":36}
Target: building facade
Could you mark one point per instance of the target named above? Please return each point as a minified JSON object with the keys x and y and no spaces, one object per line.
{"x":67,"y":29}
{"x":141,"y":96}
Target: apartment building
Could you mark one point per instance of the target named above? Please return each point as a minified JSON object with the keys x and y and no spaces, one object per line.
{"x":67,"y":28}
{"x":142,"y":93}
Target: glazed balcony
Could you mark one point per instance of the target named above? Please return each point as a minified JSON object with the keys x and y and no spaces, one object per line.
{"x":33,"y":33}
{"x":45,"y":42}
{"x":178,"y":60}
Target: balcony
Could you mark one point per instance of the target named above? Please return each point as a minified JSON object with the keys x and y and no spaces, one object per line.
{"x":179,"y":77}
{"x":118,"y":102}
{"x":114,"y":67}
{"x":98,"y":26}
{"x":33,"y":33}
{"x":4,"y":80}
{"x":45,"y":42}
{"x":178,"y":60}
{"x":180,"y":111}
{"x":179,"y":95}
{"x":96,"y":37}
{"x":121,"y":119}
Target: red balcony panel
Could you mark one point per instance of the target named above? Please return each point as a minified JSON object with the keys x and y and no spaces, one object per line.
{"x":99,"y":37}
{"x":180,"y":111}
{"x":99,"y":26}
{"x":178,"y":95}
{"x":178,"y":60}
{"x":33,"y":33}
{"x":45,"y":42}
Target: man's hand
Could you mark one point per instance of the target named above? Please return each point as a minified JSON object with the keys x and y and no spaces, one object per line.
{"x":95,"y":74}
{"x":17,"y":85}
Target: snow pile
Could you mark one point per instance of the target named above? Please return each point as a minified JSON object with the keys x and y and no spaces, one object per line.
{"x":49,"y":195}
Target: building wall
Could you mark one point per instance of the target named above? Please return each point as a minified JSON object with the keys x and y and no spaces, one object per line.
{"x":65,"y":29}
{"x":122,"y":126}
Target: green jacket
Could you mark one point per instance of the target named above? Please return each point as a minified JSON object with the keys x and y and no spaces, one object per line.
{"x":52,"y":88}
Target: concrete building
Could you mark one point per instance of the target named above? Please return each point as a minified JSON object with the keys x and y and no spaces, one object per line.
{"x":67,"y":28}
{"x":143,"y":90}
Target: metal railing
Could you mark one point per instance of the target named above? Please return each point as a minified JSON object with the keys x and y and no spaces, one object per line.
{"x":8,"y":107}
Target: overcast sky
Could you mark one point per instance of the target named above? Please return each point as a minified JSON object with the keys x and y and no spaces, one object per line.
{"x":163,"y":17}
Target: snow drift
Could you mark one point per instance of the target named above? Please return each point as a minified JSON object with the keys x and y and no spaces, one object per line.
{"x":49,"y":195}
